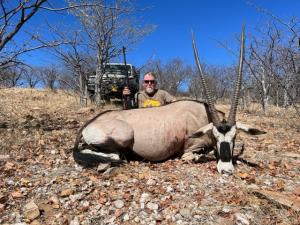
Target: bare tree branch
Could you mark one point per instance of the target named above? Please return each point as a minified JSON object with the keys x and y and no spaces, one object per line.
{"x":75,"y":6}
{"x":291,"y":27}
{"x":34,"y":7}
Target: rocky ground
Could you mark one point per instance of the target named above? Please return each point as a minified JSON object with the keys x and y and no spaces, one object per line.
{"x":41,"y":184}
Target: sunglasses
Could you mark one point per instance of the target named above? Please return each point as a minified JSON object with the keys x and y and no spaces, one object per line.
{"x":149,"y":81}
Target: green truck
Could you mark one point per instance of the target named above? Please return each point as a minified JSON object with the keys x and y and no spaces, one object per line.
{"x":114,"y":80}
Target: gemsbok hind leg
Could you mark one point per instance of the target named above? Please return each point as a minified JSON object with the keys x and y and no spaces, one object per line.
{"x":106,"y":141}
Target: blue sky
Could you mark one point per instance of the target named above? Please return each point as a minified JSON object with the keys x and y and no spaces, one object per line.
{"x":211,"y":21}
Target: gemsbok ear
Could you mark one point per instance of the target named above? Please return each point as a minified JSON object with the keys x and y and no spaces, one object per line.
{"x":248,"y":129}
{"x":202,"y":131}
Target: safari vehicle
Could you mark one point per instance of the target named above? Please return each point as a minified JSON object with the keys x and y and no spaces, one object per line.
{"x":114,"y":80}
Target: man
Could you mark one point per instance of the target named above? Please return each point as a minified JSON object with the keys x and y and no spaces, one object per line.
{"x":150,"y":96}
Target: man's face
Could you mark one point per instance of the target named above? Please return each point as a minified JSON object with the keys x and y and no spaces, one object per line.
{"x":149,"y":84}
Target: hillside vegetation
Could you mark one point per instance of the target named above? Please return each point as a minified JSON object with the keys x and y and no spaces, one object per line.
{"x":41,"y":184}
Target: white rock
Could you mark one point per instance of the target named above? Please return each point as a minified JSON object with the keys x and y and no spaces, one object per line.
{"x":4,"y":157}
{"x":111,"y":220}
{"x":169,"y":189}
{"x":75,"y":221}
{"x":185,"y":212}
{"x":76,"y":197}
{"x":178,"y":216}
{"x":16,"y":216}
{"x":197,"y":217}
{"x":103,"y":167}
{"x":137,"y":219}
{"x":144,"y":197}
{"x":226,"y":209}
{"x":126,"y":217}
{"x":23,"y":189}
{"x":119,"y":204}
{"x":10,"y":182}
{"x":78,"y":167}
{"x":151,"y":182}
{"x":241,"y":219}
{"x":85,"y":204}
{"x":52,"y":152}
{"x":179,"y":222}
{"x":252,"y":186}
{"x":54,"y":199}
{"x":152,"y":206}
{"x":31,"y":210}
{"x":134,"y":180}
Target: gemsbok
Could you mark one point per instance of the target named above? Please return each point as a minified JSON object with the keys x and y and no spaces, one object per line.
{"x":159,"y":133}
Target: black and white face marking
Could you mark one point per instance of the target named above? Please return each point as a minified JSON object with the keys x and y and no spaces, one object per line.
{"x":225,"y":137}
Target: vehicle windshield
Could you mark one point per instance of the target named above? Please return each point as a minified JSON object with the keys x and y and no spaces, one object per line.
{"x":117,"y":69}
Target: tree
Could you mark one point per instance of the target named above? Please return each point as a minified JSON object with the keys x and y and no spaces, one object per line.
{"x":219,"y":81}
{"x":14,"y":15}
{"x":49,"y":76}
{"x":261,"y":64}
{"x":174,"y":75}
{"x":76,"y":59}
{"x":273,"y":63}
{"x":275,"y":59}
{"x":11,"y":77}
{"x":31,"y":77}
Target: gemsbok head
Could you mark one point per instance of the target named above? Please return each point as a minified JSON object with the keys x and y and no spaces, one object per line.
{"x":224,"y":132}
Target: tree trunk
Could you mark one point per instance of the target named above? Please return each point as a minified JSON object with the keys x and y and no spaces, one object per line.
{"x":265,"y":98}
{"x":86,"y":91}
{"x":83,"y":90}
{"x":246,"y":99}
{"x":286,"y":98}
{"x":98,"y":81}
{"x":277,"y":97}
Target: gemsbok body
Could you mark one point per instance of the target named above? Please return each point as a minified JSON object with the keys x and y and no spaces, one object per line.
{"x":157,"y":134}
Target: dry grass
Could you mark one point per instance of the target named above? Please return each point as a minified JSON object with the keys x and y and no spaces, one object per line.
{"x":17,"y":103}
{"x":272,"y":110}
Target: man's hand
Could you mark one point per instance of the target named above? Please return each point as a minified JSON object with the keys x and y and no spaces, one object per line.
{"x":126,"y":91}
